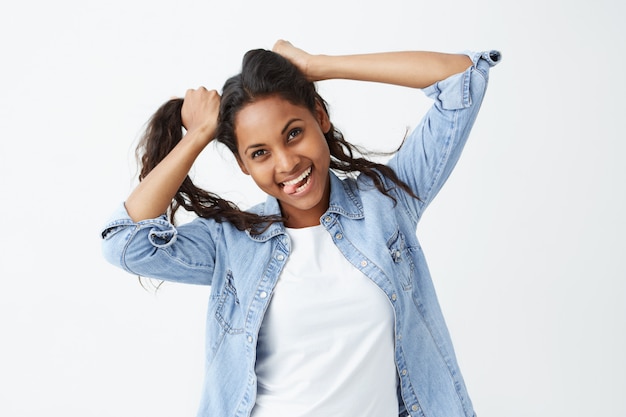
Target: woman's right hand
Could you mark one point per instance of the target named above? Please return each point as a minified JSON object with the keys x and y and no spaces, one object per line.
{"x":155,"y":192}
{"x":200,"y":110}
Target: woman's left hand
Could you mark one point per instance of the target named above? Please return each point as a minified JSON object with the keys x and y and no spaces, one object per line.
{"x":296,"y":56}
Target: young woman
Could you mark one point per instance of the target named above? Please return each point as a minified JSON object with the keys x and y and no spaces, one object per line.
{"x":321,"y":301}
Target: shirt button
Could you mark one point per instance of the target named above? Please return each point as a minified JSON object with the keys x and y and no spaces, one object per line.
{"x":339,"y":236}
{"x":403,"y":372}
{"x":280,"y":256}
{"x":263,"y":294}
{"x":364,"y":263}
{"x":415,"y":407}
{"x":250,"y":339}
{"x":394,"y":297}
{"x":327,"y":219}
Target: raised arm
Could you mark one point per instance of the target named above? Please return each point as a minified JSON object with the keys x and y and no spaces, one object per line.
{"x":415,"y":69}
{"x":457,"y":85}
{"x":155,"y":192}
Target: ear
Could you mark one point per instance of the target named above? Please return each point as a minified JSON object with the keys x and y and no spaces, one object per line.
{"x":322,"y":117}
{"x":242,"y":167}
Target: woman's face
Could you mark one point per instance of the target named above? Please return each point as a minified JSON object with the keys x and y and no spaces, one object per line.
{"x":282,"y":146}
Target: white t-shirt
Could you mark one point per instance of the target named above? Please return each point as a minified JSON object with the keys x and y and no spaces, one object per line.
{"x":326,"y":345}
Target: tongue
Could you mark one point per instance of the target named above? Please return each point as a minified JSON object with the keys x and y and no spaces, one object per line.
{"x":290,"y":189}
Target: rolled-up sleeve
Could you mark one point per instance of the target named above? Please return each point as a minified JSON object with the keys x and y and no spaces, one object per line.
{"x":157,"y":249}
{"x":432,"y":149}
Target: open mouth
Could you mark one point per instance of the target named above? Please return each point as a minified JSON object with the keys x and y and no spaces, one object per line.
{"x":297,"y":184}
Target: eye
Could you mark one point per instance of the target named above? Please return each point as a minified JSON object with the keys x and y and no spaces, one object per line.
{"x":293,"y":133}
{"x":257,"y":153}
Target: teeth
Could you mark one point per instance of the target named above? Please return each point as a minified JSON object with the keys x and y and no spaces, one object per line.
{"x":302,"y":187}
{"x":300,"y":178}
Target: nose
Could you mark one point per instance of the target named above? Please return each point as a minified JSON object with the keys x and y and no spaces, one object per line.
{"x":286,"y":161}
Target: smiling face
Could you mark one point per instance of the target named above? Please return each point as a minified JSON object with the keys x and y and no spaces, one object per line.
{"x":282,"y":146}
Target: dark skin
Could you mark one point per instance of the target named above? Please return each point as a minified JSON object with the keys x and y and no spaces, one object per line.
{"x":288,"y":160}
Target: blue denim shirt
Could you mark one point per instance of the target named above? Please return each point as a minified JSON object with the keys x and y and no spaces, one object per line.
{"x":377,"y":236}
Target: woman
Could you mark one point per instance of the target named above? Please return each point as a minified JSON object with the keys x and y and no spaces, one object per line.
{"x":321,"y":301}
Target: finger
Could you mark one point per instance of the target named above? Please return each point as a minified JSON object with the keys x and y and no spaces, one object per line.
{"x":189,"y":92}
{"x":280,"y":45}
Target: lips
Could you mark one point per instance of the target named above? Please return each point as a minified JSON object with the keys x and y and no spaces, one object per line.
{"x":294,"y":185}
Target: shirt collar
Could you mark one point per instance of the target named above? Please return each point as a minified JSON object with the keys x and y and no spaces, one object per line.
{"x":344,"y":201}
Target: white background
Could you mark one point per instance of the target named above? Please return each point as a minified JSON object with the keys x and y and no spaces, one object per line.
{"x":525,"y":242}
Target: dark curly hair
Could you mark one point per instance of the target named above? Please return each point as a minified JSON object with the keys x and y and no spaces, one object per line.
{"x":263,"y":74}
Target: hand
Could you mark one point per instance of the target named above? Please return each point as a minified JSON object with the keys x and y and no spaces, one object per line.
{"x":296,"y":56}
{"x":200,"y":110}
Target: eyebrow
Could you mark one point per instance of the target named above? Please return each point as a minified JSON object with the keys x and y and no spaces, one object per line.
{"x":295,"y":119}
{"x":282,"y":132}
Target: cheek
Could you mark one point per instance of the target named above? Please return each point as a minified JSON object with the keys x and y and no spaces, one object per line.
{"x":242,"y":167}
{"x":323,"y":151}
{"x":262,"y":177}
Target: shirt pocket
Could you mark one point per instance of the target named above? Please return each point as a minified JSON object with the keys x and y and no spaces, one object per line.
{"x":402,"y":260}
{"x":228,"y":311}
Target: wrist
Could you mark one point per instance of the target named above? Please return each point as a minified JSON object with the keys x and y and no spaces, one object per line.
{"x":317,"y":67}
{"x":201,"y":135}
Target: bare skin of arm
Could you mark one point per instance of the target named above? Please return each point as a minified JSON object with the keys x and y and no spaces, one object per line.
{"x":153,"y":195}
{"x":416,"y":69}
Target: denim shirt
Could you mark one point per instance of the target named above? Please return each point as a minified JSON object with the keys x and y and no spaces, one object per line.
{"x":375,"y":234}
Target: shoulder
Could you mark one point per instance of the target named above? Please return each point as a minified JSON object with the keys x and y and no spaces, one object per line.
{"x":258,"y":209}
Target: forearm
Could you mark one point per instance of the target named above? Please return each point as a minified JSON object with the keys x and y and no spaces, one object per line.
{"x":155,"y":192}
{"x":415,"y":69}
